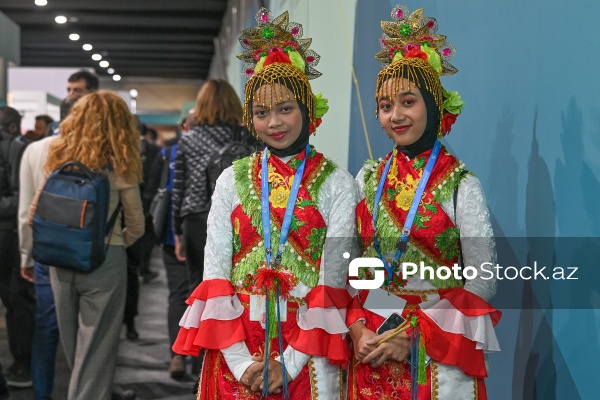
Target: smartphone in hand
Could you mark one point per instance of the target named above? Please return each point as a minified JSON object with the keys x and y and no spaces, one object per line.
{"x":391,"y":322}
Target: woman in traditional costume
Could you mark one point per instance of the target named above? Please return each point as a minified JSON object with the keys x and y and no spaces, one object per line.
{"x":270,"y":312}
{"x":418,"y":208}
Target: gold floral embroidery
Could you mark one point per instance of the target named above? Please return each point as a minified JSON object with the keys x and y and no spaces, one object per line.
{"x":204,"y":357}
{"x":434,"y":381}
{"x":366,"y":392}
{"x":312,"y":373}
{"x":341,"y":383}
{"x":405,"y":189}
{"x":281,"y":188}
{"x":228,"y":377}
{"x":396,"y":369}
{"x":261,"y":353}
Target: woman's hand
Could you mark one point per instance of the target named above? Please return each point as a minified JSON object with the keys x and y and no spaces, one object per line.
{"x":397,"y":348}
{"x":360,"y":335}
{"x":253,"y":373}
{"x":275,"y":377}
{"x":179,"y":250}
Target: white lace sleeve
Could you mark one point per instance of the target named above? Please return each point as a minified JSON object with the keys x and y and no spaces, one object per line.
{"x":337,"y":203}
{"x":219,"y":238}
{"x":477,"y":236}
{"x":360,"y":183}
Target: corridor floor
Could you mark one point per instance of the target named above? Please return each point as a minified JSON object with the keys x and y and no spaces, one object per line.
{"x":142,"y":364}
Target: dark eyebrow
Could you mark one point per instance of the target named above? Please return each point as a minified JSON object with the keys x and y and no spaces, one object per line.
{"x":278,"y":104}
{"x":400,"y":94}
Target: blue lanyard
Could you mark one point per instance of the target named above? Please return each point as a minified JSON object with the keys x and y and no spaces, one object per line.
{"x":403,"y":240}
{"x":285,"y":229}
{"x":289,"y":209}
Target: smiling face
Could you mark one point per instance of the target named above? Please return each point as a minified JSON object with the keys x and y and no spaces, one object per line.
{"x":276,"y":116}
{"x":403,"y":116}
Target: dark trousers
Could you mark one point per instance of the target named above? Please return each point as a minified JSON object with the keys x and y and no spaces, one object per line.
{"x":138,"y":263}
{"x":194,"y":231}
{"x":179,"y":291}
{"x":45,"y":340}
{"x":18,"y":297}
{"x":4,"y":393}
{"x":133,"y":292}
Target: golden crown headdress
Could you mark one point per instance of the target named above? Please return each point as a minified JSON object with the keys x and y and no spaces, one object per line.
{"x":410,"y":42}
{"x":276,"y":40}
{"x":414,"y":35}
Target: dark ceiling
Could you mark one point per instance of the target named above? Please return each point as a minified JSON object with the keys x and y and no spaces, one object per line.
{"x":148,"y":38}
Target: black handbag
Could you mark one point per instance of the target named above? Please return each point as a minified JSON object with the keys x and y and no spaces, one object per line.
{"x":160,"y":203}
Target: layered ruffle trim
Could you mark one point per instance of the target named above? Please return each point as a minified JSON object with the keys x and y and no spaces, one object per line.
{"x":212,"y":319}
{"x":462,"y":327}
{"x":322,"y":325}
{"x":318,"y":342}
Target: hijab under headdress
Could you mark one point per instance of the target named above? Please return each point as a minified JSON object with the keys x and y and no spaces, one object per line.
{"x":420,"y":74}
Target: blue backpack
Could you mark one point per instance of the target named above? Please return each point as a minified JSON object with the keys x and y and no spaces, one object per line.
{"x":70,"y":222}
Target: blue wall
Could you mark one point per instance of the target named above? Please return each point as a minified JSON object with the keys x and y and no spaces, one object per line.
{"x":530,"y":130}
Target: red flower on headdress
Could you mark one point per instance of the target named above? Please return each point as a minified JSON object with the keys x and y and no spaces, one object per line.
{"x":277,"y":55}
{"x":416,"y":54}
{"x":258,"y":53}
{"x":313,"y":127}
{"x":447,"y":121}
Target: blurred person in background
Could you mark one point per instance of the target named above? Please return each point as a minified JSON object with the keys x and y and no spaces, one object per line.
{"x":100,"y":131}
{"x":81,"y":83}
{"x":17,"y":294}
{"x":43,"y":124}
{"x":45,"y":339}
{"x":217,"y":116}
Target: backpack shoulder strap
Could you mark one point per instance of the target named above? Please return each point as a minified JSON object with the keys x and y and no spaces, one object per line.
{"x":165,"y":168}
{"x":113,"y":219}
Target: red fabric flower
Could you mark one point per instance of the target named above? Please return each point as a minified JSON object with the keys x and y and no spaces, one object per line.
{"x":447,"y":121}
{"x":277,"y":56}
{"x":416,"y":54}
{"x":313,"y":127}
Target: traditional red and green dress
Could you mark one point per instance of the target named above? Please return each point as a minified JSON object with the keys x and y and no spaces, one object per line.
{"x":456,"y":320}
{"x":218,"y":316}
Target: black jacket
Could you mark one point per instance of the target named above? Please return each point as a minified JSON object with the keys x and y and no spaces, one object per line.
{"x":11,"y":151}
{"x":191,"y":192}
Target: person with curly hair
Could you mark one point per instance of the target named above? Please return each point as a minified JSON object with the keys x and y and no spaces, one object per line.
{"x":100,"y":133}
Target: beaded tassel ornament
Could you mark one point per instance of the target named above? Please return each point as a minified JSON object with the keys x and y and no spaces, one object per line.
{"x":275,"y":52}
{"x":410,"y":42}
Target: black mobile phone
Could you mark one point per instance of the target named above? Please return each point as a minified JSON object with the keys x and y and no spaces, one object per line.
{"x":391,"y":322}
